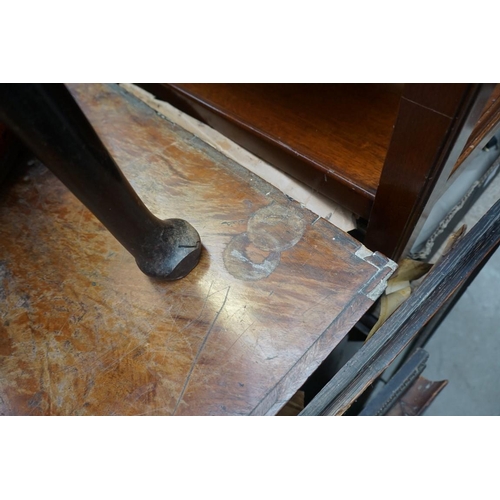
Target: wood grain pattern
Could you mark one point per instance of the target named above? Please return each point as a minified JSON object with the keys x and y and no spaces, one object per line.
{"x":320,"y":205}
{"x":339,"y":140}
{"x":440,"y":98}
{"x":83,"y":331}
{"x":401,"y":188}
{"x":424,"y":148}
{"x":332,"y":137}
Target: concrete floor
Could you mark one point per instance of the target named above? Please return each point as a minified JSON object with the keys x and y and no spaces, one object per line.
{"x":465,"y":349}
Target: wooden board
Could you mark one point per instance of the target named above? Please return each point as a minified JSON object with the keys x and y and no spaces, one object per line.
{"x":305,"y":195}
{"x":333,"y":137}
{"x":431,"y":130}
{"x":83,"y":331}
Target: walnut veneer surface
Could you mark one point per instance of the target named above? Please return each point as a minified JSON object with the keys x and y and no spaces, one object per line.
{"x":332,"y":137}
{"x":84,"y":332}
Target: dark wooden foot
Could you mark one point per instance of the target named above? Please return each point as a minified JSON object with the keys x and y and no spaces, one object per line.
{"x":50,"y":122}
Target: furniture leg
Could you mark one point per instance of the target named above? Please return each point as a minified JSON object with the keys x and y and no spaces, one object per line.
{"x":50,"y":122}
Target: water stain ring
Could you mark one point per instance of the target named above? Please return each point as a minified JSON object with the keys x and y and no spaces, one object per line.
{"x":240,"y":263}
{"x":276,"y":228}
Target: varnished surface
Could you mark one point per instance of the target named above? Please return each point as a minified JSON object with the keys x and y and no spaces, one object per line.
{"x":333,"y":137}
{"x":83,"y":331}
{"x":401,"y":188}
{"x":438,"y":97}
{"x":424,"y":148}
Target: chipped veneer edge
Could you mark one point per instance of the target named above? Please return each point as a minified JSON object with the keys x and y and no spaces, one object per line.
{"x":320,"y":205}
{"x":363,"y":253}
{"x":378,"y":290}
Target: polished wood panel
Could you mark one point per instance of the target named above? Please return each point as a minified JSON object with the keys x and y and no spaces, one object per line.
{"x":402,"y":188}
{"x":424,"y":148}
{"x":438,"y":97}
{"x":333,"y":137}
{"x":83,"y":331}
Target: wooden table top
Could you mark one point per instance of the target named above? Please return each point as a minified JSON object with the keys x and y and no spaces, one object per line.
{"x":84,"y":332}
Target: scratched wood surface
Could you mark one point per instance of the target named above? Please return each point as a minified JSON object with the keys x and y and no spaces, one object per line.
{"x":84,"y":332}
{"x":332,"y":137}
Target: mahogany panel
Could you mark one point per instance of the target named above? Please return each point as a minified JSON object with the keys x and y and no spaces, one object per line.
{"x":333,"y":137}
{"x":424,"y":147}
{"x":432,"y":96}
{"x":84,"y":332}
{"x":406,"y":173}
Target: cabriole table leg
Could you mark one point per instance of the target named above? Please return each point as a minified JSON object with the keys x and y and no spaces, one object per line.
{"x":50,"y":122}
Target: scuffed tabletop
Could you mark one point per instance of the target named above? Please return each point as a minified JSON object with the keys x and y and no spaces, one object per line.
{"x":84,"y":332}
